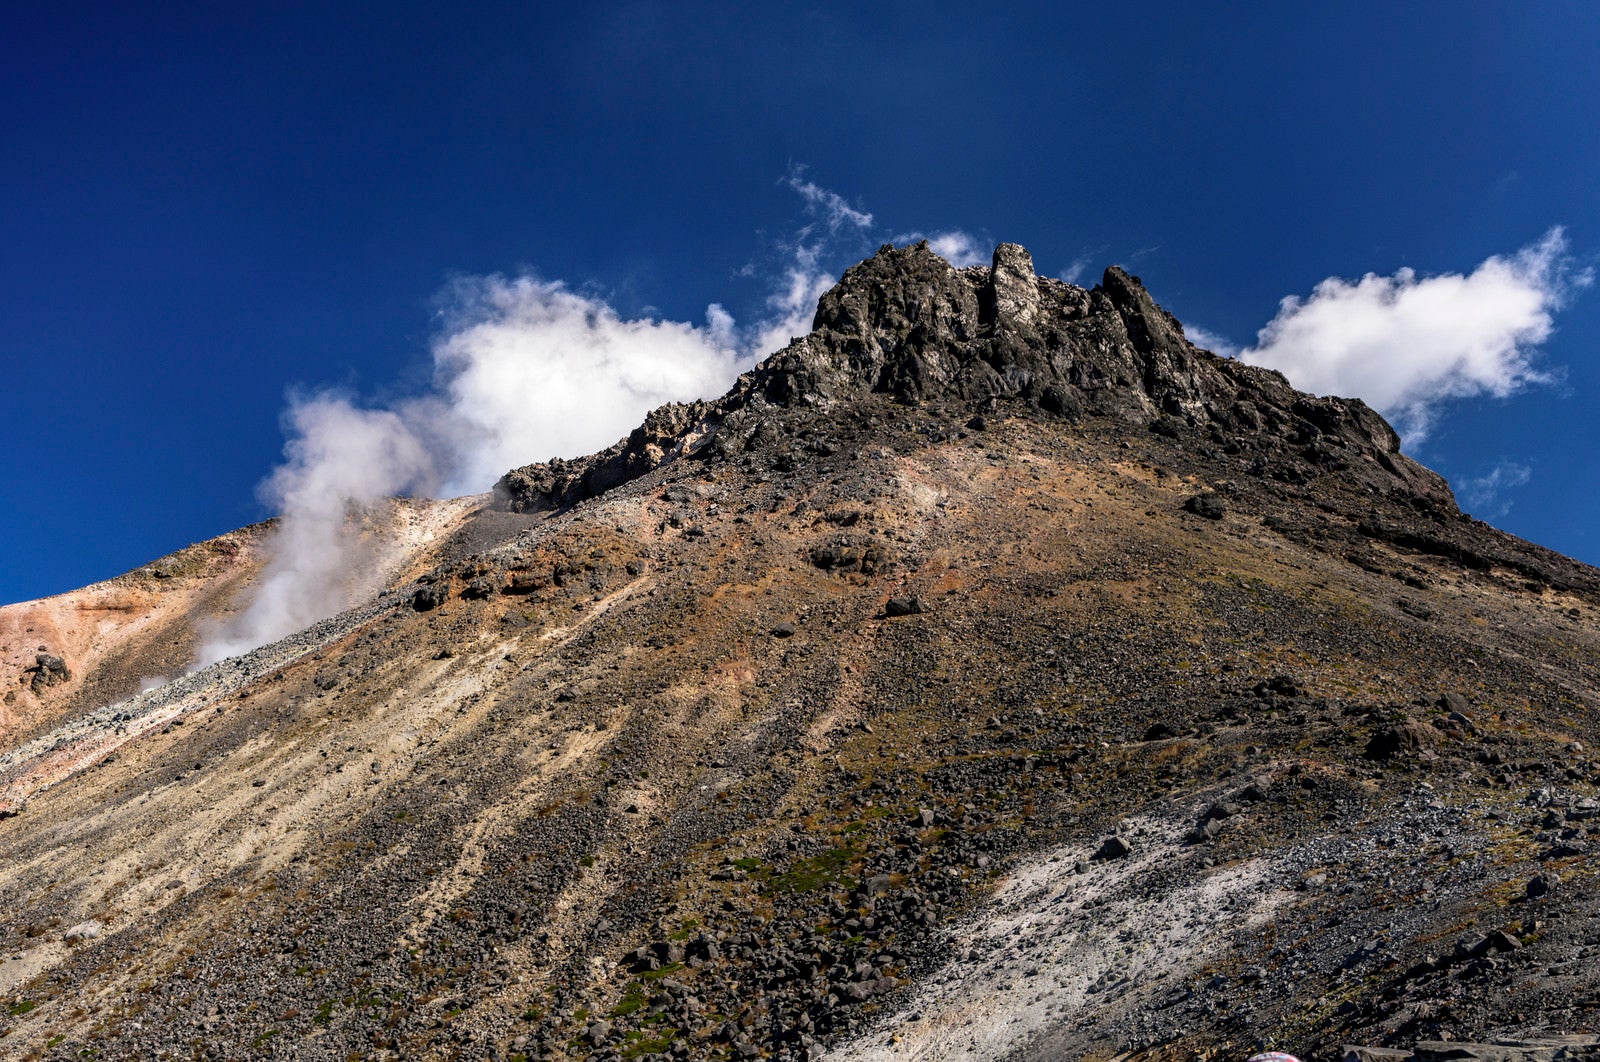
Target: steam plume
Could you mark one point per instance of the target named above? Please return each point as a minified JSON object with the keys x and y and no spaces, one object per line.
{"x":525,"y":369}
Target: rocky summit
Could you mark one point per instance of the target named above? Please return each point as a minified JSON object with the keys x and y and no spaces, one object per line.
{"x":990,"y":674}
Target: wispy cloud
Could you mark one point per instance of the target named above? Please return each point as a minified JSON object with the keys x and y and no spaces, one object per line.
{"x":1076,"y":269}
{"x":1484,"y":494}
{"x":833,"y":226}
{"x":1406,"y":343}
{"x":830,"y":207}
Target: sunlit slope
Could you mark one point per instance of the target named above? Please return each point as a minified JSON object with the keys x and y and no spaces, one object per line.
{"x":991,"y":673}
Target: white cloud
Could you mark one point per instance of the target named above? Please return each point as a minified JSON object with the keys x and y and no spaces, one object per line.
{"x":956,"y":247}
{"x":530,"y":370}
{"x":720,"y":327}
{"x":1484,"y":494}
{"x":1212,"y":341}
{"x":1405,"y":343}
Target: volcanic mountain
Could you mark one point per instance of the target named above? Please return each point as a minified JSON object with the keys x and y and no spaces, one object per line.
{"x":991,"y":673}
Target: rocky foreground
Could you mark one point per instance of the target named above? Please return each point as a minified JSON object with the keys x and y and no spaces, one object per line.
{"x":990,"y":674}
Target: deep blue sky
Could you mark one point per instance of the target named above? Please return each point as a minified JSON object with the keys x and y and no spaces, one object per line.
{"x":202,"y":207}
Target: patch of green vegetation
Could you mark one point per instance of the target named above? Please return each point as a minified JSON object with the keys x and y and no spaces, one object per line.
{"x":656,"y":975}
{"x":809,"y":875}
{"x":587,"y":861}
{"x":747,"y":864}
{"x":631,"y":1003}
{"x":639,"y":1043}
{"x":58,"y":1038}
{"x":324,"y":1013}
{"x":262,"y":1040}
{"x":21,"y":1007}
{"x":402,"y":815}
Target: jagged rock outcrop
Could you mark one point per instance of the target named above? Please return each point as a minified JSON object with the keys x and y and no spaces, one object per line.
{"x":47,"y":670}
{"x":907,"y":325}
{"x":667,"y":432}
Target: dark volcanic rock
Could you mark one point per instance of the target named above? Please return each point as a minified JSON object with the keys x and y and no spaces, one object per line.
{"x":1410,"y":736}
{"x":907,"y":324}
{"x":47,"y":670}
{"x":427,"y":598}
{"x":1113,"y":848}
{"x":1210,"y":506}
{"x":903,"y":606}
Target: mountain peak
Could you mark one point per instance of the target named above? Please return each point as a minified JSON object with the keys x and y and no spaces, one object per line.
{"x":908,"y":327}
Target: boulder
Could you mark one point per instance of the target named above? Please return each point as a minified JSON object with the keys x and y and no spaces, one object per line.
{"x":1209,"y":505}
{"x":47,"y":670}
{"x":1113,"y":847}
{"x":428,"y":598}
{"x":902,"y":606}
{"x":1407,"y":737}
{"x":1553,"y":1049}
{"x":83,"y":931}
{"x":1207,"y":830}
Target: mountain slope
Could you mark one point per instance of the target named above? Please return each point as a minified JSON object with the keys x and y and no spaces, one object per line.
{"x":804,"y":718}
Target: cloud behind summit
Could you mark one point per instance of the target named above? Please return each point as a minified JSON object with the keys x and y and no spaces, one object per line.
{"x":1406,"y":343}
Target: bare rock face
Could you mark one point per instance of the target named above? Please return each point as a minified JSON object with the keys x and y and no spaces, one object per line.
{"x":1012,"y":296}
{"x":907,"y":324}
{"x":1531,"y":1049}
{"x":48,"y":670}
{"x":667,"y":433}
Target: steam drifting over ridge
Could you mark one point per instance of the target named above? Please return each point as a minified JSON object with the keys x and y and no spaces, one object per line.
{"x":526,"y":369}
